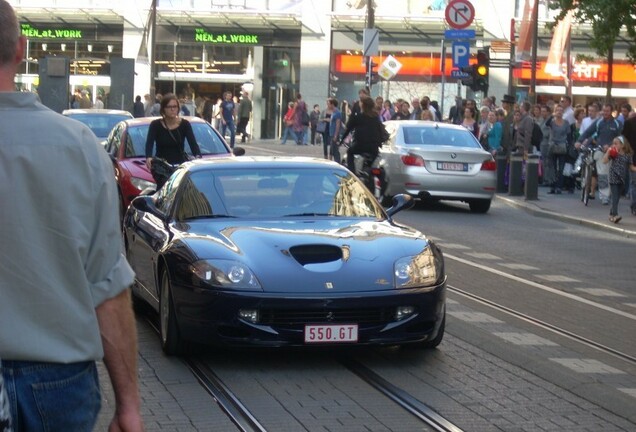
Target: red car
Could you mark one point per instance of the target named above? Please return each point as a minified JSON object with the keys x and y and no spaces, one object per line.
{"x":126,"y":145}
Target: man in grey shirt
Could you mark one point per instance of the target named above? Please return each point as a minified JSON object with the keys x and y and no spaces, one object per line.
{"x":523,"y":138}
{"x":601,"y":133}
{"x":64,"y":281}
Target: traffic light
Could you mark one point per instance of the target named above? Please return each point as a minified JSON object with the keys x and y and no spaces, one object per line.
{"x":372,"y":74}
{"x":470,"y":79}
{"x":481,"y":71}
{"x":333,"y":89}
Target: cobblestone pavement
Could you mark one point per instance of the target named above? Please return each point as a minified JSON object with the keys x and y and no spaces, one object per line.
{"x":474,"y":389}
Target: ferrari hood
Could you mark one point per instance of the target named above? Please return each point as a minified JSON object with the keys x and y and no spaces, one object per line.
{"x":304,"y":256}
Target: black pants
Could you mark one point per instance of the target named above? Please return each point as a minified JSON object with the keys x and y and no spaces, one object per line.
{"x":241,"y":127}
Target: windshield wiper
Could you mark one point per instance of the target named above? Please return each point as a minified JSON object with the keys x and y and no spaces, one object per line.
{"x":209,"y":216}
{"x":308,"y":214}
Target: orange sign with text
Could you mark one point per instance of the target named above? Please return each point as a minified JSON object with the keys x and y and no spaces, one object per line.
{"x":624,"y":73}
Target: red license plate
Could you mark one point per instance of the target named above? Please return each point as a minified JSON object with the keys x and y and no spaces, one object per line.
{"x":331,"y":333}
{"x":449,"y":166}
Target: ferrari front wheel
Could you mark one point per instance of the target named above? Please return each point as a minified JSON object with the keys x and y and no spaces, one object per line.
{"x":170,"y":339}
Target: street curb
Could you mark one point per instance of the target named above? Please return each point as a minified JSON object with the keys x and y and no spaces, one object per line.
{"x":536,"y":211}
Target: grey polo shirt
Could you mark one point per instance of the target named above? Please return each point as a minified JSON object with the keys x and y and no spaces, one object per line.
{"x":60,"y":244}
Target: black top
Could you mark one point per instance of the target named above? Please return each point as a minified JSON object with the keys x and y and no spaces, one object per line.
{"x":138,"y":109}
{"x":171,"y":142}
{"x":367,"y":132}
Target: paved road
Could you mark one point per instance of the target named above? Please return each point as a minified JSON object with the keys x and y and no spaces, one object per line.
{"x":471,"y":385}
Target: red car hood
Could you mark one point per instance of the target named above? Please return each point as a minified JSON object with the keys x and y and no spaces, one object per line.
{"x":137,"y":166}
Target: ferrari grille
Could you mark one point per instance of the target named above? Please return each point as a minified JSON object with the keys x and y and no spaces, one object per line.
{"x":276,"y":317}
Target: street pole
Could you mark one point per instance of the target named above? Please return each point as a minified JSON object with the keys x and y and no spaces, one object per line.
{"x":513,"y":60}
{"x":153,"y":29}
{"x":535,"y":39}
{"x":369,"y":59}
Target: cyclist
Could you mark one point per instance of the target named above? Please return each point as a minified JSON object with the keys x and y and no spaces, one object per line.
{"x":600,"y":133}
{"x":369,"y":132}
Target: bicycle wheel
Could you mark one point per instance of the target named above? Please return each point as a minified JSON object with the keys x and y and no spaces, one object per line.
{"x":582,"y":181}
{"x":588,"y":184}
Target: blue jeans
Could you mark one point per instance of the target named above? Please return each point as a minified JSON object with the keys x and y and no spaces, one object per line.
{"x":51,"y":396}
{"x":287,"y":132}
{"x":229,"y":124}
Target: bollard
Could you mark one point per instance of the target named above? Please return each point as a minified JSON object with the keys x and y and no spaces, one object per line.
{"x":515,"y":183}
{"x":531,"y":187}
{"x":501,"y":161}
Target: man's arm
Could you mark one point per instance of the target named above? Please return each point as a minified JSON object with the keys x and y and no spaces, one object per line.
{"x":119,"y":338}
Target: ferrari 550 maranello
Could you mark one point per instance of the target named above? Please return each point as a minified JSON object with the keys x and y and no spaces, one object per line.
{"x":258,"y":251}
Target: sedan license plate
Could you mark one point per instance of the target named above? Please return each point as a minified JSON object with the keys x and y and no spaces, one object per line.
{"x":331,"y":333}
{"x":450,"y":166}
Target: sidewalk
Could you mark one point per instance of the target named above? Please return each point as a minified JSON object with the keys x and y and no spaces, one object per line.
{"x":565,"y":207}
{"x":569,"y":208}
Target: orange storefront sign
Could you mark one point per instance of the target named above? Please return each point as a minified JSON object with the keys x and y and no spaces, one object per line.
{"x":354,"y":64}
{"x":586,"y":72}
{"x":430,"y":66}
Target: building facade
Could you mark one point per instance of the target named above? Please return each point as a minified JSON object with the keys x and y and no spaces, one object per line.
{"x":275,"y":49}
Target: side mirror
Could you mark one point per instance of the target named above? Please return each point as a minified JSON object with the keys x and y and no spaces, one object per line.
{"x":400,"y":202}
{"x":146,"y":204}
{"x":238,"y":151}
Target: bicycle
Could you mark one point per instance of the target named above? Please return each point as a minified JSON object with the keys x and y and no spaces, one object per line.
{"x":587,"y":162}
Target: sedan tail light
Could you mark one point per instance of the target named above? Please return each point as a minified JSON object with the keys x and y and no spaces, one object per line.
{"x":488,"y":165}
{"x":412,"y":160}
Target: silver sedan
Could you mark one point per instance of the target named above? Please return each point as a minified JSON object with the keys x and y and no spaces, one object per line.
{"x":436,"y":161}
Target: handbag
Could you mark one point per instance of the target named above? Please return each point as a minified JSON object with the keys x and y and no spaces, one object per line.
{"x":160,"y":170}
{"x":304,"y":120}
{"x":321,"y":127}
{"x":557,"y":149}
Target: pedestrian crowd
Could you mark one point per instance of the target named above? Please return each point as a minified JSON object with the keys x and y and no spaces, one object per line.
{"x":557,"y":132}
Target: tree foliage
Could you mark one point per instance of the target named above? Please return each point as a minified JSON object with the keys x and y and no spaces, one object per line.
{"x":607,"y":18}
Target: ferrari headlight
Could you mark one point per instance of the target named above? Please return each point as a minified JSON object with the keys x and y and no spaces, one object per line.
{"x":141,"y":184}
{"x":225,"y":274}
{"x":421,"y":270}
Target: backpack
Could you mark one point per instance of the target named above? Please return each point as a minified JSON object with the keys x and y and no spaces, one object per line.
{"x":537,"y":135}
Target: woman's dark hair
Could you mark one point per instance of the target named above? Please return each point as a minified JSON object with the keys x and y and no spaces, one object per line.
{"x":368,"y":106}
{"x":165,"y":100}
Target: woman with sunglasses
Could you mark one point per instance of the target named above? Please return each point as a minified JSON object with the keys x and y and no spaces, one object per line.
{"x":169,"y":133}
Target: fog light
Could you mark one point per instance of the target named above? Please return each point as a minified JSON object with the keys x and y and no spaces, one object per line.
{"x":403,"y":312}
{"x":250,"y":315}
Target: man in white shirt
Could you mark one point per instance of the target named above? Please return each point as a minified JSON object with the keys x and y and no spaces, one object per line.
{"x":568,"y":111}
{"x":592,"y":114}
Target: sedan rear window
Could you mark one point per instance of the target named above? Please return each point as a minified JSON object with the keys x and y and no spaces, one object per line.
{"x":436,"y":136}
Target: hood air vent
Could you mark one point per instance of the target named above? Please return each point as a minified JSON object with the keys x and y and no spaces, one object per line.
{"x":315,"y":254}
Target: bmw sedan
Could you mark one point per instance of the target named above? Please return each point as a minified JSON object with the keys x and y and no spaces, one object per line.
{"x":436,"y":161}
{"x":126,"y":145}
{"x":277,"y":251}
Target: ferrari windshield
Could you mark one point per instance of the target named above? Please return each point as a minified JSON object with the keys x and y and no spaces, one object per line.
{"x":274,"y":193}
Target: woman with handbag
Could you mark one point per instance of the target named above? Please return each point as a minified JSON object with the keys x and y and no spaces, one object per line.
{"x":169,"y":133}
{"x":368,"y":131}
{"x":559,"y":135}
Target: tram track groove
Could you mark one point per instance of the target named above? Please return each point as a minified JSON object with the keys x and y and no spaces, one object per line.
{"x":406,"y":401}
{"x":227,"y":401}
{"x":543,"y":324}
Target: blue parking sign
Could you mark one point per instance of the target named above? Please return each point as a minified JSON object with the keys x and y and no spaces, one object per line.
{"x":461,"y":54}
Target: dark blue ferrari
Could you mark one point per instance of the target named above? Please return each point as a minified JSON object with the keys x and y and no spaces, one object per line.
{"x":270,"y":251}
